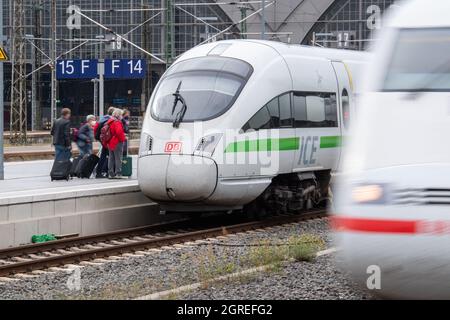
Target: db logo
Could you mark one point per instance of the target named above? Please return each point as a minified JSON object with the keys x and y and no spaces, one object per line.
{"x":173,"y":147}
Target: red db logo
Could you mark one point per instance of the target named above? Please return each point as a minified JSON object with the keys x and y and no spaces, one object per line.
{"x":173,"y":147}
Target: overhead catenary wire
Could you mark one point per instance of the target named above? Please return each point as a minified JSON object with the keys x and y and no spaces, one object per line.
{"x":143,"y":23}
{"x":199,"y":19}
{"x":58,"y":57}
{"x":121,"y":37}
{"x":232,"y":3}
{"x":237,"y":23}
{"x":122,"y":10}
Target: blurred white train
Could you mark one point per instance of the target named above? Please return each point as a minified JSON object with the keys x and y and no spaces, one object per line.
{"x":392,"y":205}
{"x":248,"y":124}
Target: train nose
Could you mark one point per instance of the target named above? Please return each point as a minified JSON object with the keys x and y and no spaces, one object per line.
{"x":177,"y":177}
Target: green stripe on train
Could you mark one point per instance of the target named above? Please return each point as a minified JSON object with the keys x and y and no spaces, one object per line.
{"x":283,"y":144}
{"x":330,"y":142}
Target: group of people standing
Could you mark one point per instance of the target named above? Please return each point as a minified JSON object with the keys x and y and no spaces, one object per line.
{"x":110,"y":130}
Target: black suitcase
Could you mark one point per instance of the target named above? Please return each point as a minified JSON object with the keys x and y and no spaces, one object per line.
{"x":86,"y":166}
{"x":61,"y":170}
{"x":73,"y":169}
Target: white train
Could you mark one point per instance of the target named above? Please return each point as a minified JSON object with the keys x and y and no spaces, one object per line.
{"x":392,"y":204}
{"x":248,"y":124}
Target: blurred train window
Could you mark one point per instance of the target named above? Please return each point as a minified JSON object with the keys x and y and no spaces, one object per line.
{"x":313,"y":110}
{"x":285,"y":110}
{"x":345,"y":108}
{"x":419,"y":61}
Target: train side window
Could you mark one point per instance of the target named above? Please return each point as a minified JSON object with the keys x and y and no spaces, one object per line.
{"x":315,"y":109}
{"x":299,"y":103}
{"x":312,"y":110}
{"x":261,"y":120}
{"x":285,"y":110}
{"x":331,"y":118}
{"x":345,"y":108}
{"x":274,"y":112}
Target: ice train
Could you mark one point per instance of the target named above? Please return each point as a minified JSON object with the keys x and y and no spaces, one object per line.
{"x":391,"y":207}
{"x":247,"y":124}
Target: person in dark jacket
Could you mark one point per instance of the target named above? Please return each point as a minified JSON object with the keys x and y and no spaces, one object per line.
{"x":102,"y":166}
{"x":61,"y":136}
{"x":115,"y":145}
{"x":126,"y":121}
{"x":126,"y":129}
{"x":85,"y":137}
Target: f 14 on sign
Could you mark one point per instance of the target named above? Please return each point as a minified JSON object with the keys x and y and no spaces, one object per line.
{"x":88,"y":68}
{"x":125,"y":68}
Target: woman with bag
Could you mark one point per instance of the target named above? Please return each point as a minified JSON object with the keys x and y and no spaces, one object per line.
{"x":113,"y":135}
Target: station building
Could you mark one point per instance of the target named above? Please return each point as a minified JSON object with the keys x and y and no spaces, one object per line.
{"x":173,"y":27}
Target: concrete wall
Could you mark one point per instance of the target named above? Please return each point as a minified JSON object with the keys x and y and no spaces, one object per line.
{"x":83,"y":212}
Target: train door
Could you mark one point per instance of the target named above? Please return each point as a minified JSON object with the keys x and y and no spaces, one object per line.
{"x":345,"y":100}
{"x":317,"y":127}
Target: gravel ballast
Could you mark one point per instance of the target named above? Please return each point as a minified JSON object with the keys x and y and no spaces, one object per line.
{"x":167,"y":269}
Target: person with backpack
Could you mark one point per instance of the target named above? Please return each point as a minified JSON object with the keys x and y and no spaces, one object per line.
{"x":85,"y":136}
{"x":61,"y":136}
{"x":102,"y":166}
{"x":113,"y":136}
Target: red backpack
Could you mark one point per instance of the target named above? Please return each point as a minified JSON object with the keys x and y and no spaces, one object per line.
{"x":105,"y":134}
{"x":76,"y":131}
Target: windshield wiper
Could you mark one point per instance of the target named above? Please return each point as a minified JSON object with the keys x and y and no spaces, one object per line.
{"x":180,"y":115}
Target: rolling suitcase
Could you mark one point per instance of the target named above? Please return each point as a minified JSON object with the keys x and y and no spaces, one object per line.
{"x":75,"y":163}
{"x":86,"y":166}
{"x":127,"y":164}
{"x":61,"y":170}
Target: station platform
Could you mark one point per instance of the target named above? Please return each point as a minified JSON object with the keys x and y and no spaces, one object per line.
{"x":30,"y":203}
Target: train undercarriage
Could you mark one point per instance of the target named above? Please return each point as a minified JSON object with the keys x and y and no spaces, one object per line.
{"x":292,"y":193}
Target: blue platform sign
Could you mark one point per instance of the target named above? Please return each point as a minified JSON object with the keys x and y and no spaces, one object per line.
{"x":125,"y":68}
{"x":76,"y":69}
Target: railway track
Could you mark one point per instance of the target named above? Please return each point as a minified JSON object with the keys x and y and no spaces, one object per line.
{"x":40,"y":256}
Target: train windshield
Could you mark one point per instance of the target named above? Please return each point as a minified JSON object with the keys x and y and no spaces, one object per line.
{"x":420,"y":61}
{"x":209,"y":85}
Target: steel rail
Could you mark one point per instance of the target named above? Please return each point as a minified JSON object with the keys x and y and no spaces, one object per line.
{"x":89,"y":254}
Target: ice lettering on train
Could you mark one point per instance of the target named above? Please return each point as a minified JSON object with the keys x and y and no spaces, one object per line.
{"x":308,"y":148}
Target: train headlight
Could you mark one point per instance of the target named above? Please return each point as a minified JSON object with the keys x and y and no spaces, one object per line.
{"x":369,"y":194}
{"x":207,"y":144}
{"x":145,"y":146}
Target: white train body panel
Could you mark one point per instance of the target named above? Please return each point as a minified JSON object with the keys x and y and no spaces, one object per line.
{"x":391,"y":210}
{"x":243,"y":164}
